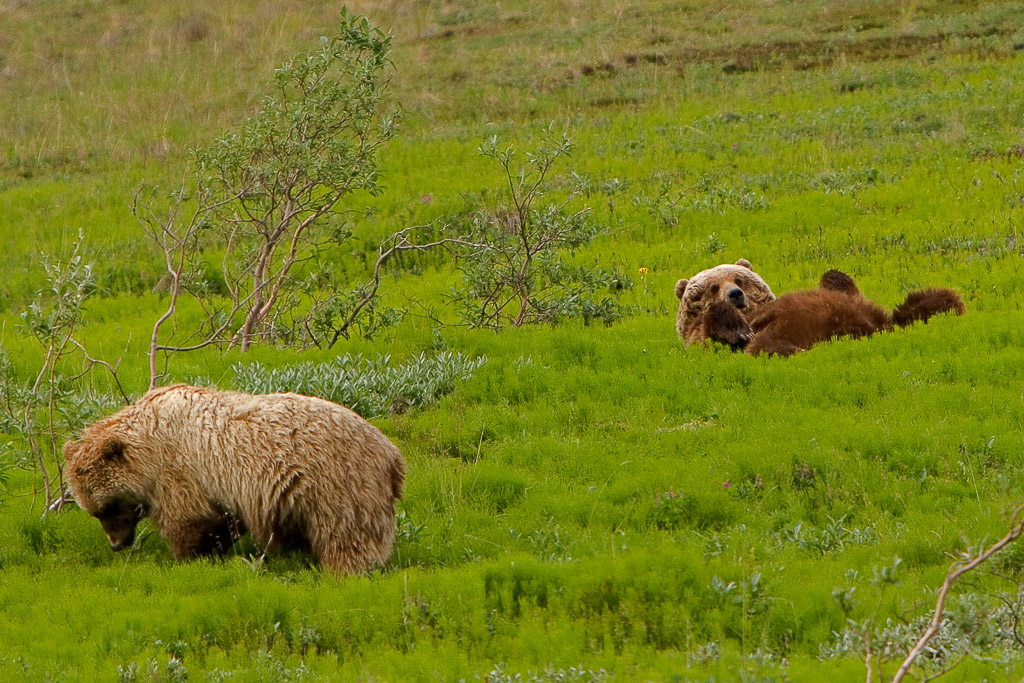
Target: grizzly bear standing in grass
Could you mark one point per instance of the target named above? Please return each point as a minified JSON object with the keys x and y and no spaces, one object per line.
{"x":208,"y":465}
{"x":732,"y":304}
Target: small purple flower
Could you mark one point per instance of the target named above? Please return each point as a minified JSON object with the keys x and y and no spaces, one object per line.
{"x":726,"y":484}
{"x":426,"y":198}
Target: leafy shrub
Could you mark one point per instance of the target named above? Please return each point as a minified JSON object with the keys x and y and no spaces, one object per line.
{"x":44,"y":411}
{"x":73,"y":408}
{"x":369,"y":387}
{"x":268,"y":197}
{"x":574,"y":674}
{"x":834,"y":536}
{"x":523,"y":275}
{"x":972,"y":623}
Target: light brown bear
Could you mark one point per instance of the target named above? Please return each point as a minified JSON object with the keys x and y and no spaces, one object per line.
{"x":737,"y":283}
{"x":733,"y":305}
{"x":209,"y":465}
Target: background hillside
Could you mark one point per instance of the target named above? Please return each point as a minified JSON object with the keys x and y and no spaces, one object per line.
{"x":590,"y":502}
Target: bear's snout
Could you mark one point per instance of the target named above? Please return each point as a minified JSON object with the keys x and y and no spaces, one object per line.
{"x":117,"y":544}
{"x":119,"y":522}
{"x":737,"y":298}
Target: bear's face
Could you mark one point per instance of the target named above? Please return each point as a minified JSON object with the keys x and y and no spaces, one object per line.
{"x":735,"y":283}
{"x":105,"y":486}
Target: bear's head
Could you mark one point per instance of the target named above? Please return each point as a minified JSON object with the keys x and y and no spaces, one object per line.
{"x":736,"y":283}
{"x":105,"y":484}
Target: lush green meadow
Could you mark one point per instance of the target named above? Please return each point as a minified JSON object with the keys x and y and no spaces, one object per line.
{"x":592,"y":503}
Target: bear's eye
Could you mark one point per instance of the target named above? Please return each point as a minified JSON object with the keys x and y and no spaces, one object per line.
{"x":714,"y":289}
{"x":739,"y":282}
{"x":110,"y":510}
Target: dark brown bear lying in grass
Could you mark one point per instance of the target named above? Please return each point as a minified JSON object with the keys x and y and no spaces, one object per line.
{"x":733,"y":305}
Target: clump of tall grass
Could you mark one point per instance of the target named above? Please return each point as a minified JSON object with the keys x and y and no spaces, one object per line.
{"x":369,"y":387}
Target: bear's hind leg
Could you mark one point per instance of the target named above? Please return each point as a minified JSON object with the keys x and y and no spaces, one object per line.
{"x":342,"y":560}
{"x":838,"y":281}
{"x":350,"y":546}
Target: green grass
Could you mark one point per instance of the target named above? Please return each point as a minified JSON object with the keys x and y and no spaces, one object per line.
{"x":591,"y":498}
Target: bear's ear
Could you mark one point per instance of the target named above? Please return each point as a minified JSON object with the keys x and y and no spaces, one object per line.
{"x":745,"y":263}
{"x":681,"y":287}
{"x":113,"y":450}
{"x":70,"y":448}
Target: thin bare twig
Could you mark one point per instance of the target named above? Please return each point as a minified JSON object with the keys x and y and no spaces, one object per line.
{"x":173,"y":239}
{"x":958,"y":569}
{"x":1013,"y":608}
{"x":399,"y":243}
{"x":90,"y":361}
{"x":946,"y":669}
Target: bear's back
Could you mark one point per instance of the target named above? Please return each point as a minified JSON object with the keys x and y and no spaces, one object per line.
{"x":799,"y":320}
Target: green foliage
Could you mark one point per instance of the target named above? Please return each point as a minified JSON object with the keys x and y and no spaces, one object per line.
{"x":313,"y":141}
{"x":43,"y":411}
{"x":535,"y":539}
{"x":523,"y":274}
{"x":550,"y":674}
{"x":266,"y":198}
{"x":369,"y":387}
{"x":57,"y":310}
{"x":333,"y":317}
{"x":6,"y":465}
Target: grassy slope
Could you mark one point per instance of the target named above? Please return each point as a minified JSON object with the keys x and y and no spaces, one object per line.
{"x":880,"y":138}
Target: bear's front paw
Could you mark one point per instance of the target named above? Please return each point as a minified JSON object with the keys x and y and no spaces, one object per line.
{"x":724,"y":323}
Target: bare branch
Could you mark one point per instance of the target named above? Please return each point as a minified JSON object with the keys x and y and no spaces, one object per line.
{"x":112,"y":370}
{"x":399,"y":242}
{"x":956,"y":570}
{"x":946,"y":669}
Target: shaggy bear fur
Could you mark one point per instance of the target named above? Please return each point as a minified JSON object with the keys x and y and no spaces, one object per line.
{"x":209,"y":465}
{"x":737,"y":284}
{"x":743,"y":313}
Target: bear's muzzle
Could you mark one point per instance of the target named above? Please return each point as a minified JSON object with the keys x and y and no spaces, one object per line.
{"x":737,"y":298}
{"x":117,"y":544}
